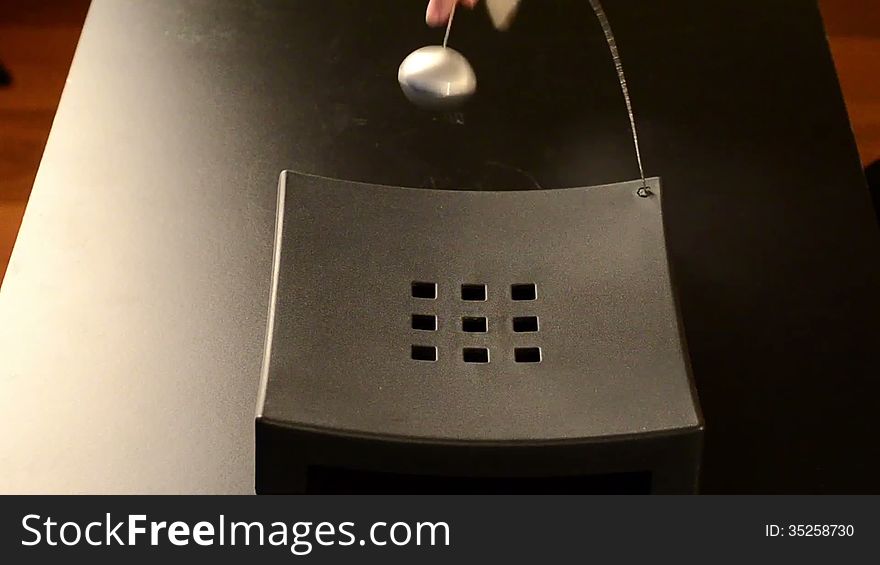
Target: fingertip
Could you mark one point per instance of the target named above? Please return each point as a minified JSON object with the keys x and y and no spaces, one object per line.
{"x":433,"y":17}
{"x":439,"y":11}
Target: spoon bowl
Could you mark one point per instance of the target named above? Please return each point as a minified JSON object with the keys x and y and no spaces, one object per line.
{"x":437,"y":77}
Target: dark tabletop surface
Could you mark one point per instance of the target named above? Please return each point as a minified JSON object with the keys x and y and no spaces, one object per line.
{"x":133,"y":314}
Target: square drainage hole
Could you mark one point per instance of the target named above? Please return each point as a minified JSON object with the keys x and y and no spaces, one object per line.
{"x":424,"y":353}
{"x":477,"y":324}
{"x":427,"y":290}
{"x":524,"y":324}
{"x":527,"y":354}
{"x":473,"y":292}
{"x":524,"y":291}
{"x":424,"y":322}
{"x":475,"y":355}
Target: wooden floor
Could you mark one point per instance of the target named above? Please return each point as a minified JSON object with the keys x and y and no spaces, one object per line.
{"x":38,"y":37}
{"x":854,"y":32}
{"x":37,"y":40}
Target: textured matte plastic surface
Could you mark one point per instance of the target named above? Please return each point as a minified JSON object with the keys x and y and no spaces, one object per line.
{"x":339,"y":354}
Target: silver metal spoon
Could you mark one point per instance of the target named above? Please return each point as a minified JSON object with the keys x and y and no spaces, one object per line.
{"x":437,"y":77}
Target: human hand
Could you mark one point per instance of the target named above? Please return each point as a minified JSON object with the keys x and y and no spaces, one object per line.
{"x":439,"y":10}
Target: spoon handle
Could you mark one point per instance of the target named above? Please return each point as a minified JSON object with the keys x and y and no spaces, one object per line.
{"x":449,"y":25}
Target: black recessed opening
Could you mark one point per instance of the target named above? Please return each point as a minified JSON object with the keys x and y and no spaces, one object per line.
{"x":426,"y":290}
{"x":527,"y":354}
{"x":527,"y":291}
{"x":473,"y":292}
{"x":476,"y":324}
{"x":524,"y":324}
{"x":339,"y":480}
{"x":424,"y":353}
{"x":424,"y":322}
{"x":475,"y":355}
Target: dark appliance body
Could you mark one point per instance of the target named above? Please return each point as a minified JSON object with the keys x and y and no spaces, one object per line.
{"x":473,"y":341}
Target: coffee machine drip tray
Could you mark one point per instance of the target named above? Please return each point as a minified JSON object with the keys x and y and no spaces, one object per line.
{"x":464,"y":318}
